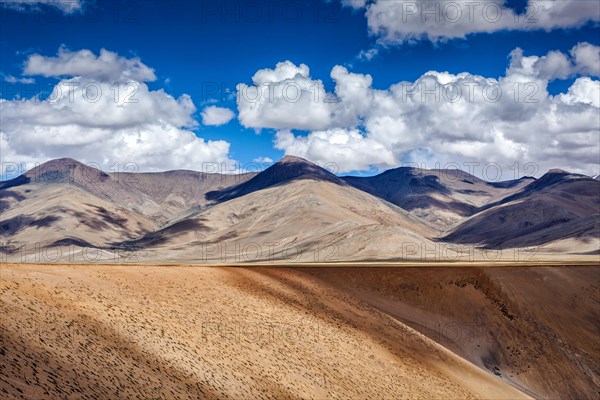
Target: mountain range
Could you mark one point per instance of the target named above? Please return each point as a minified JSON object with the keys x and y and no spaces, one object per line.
{"x":293,"y":211}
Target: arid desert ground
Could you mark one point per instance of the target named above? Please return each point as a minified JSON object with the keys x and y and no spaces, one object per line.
{"x":458,"y":332}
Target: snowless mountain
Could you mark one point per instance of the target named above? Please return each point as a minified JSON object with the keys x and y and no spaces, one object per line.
{"x":294,"y":210}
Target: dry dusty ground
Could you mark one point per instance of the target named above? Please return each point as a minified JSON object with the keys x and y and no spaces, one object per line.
{"x":244,"y":333}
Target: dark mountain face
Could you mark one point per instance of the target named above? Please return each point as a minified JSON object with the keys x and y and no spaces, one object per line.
{"x":512,"y":183}
{"x":439,"y":196}
{"x":397,"y":184}
{"x":558,"y":205}
{"x":552,"y":177}
{"x":554,"y":182}
{"x":290,"y":168}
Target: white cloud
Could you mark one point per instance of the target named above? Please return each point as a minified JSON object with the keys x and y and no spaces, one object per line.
{"x":106,"y":67}
{"x":215,"y":116}
{"x":587,"y":59}
{"x":66,"y":6}
{"x":12,"y":79}
{"x":276,"y":96}
{"x":92,"y":121}
{"x":584,"y":59}
{"x":368,"y":55}
{"x":348,"y":148}
{"x":400,"y":21}
{"x":355,"y":4}
{"x":448,"y":117}
{"x":263,"y":160}
{"x":583,"y":91}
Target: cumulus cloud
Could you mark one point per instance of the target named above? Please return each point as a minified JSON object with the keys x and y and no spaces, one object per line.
{"x":277,"y":95}
{"x":106,"y":67}
{"x":587,"y":59}
{"x":583,"y":91}
{"x":401,"y":21}
{"x":444,"y":117}
{"x":348,"y":148}
{"x":97,"y":121}
{"x":584,"y":59}
{"x":216,"y":116}
{"x":66,"y":6}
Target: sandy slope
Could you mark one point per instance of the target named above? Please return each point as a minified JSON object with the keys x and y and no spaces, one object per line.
{"x":123,"y":332}
{"x":535,"y":327}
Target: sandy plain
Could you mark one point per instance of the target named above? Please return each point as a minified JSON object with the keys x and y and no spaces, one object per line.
{"x":389,"y":332}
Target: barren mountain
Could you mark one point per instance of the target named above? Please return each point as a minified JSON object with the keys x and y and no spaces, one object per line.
{"x":557,"y":206}
{"x":287,"y":169}
{"x":66,"y":171}
{"x":66,"y":203}
{"x":326,"y":332}
{"x":293,"y":210}
{"x":180,"y":193}
{"x":442,"y":197}
{"x":162,"y":196}
{"x":38,"y":215}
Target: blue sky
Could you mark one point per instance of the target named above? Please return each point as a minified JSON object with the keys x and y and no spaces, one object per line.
{"x":193,"y":45}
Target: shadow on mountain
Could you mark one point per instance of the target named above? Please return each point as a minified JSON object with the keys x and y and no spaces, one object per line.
{"x":73,"y":363}
{"x":110,"y":218}
{"x":72,"y":242}
{"x":424,"y":201}
{"x":18,"y":181}
{"x":550,"y":180}
{"x":166,"y":234}
{"x":394,"y":184}
{"x":511,"y":183}
{"x":288,"y":169}
{"x":11,"y":226}
{"x":440,"y":190}
{"x":9,"y":194}
{"x":557,"y":206}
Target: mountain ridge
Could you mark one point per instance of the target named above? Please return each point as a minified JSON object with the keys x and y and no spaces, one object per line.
{"x":296,"y":201}
{"x":556,"y":206}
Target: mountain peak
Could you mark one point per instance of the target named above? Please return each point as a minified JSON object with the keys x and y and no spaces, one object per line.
{"x":60,"y":170}
{"x":64,"y":170}
{"x":58,"y":164}
{"x":558,"y":171}
{"x":294,"y":159}
{"x":288,"y":169}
